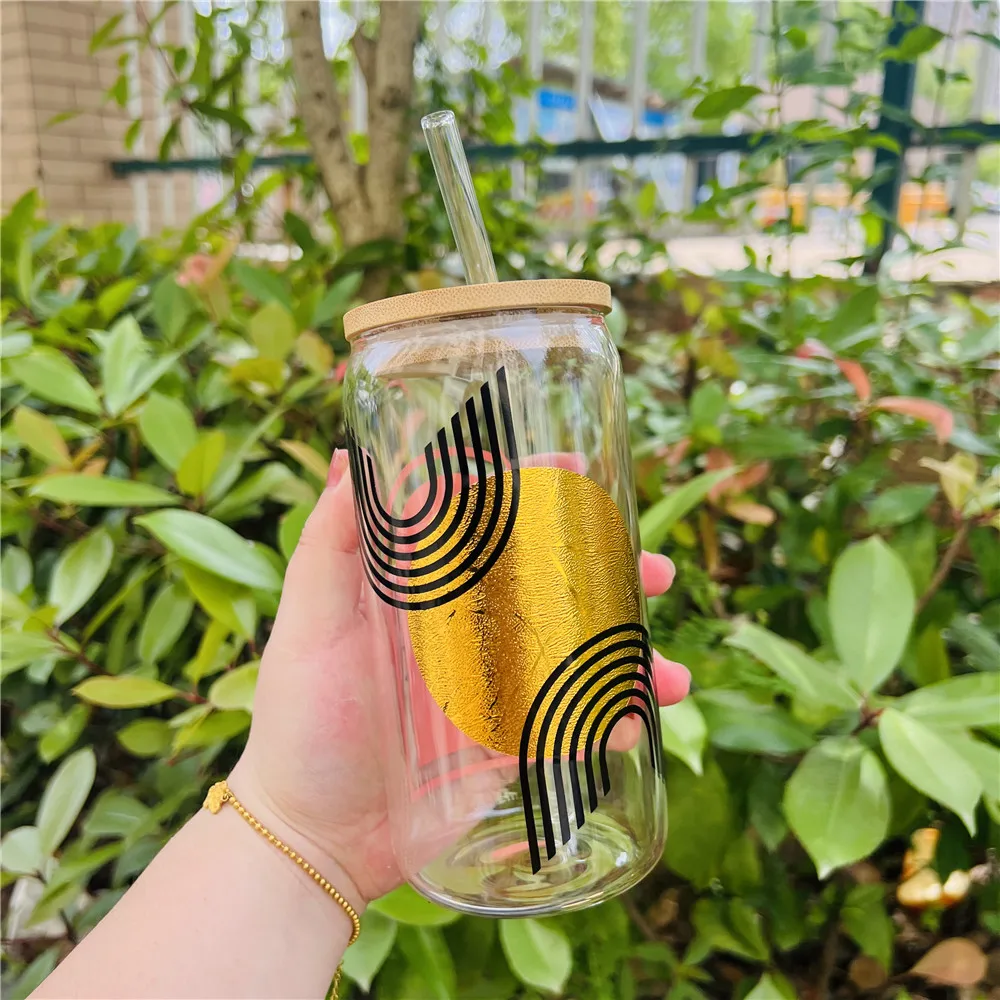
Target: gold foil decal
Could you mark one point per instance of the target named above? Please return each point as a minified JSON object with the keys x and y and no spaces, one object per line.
{"x":566,"y":574}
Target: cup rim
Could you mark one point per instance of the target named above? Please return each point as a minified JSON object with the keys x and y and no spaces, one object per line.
{"x":463,"y":300}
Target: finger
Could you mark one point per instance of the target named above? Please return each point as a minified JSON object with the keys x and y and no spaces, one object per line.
{"x":673,"y":680}
{"x":572,"y":461}
{"x":657,"y":573}
{"x":323,"y":580}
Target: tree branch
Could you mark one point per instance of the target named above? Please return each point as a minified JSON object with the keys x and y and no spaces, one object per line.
{"x":390,"y":91}
{"x":364,"y":52}
{"x":323,"y":117}
{"x":944,"y":567}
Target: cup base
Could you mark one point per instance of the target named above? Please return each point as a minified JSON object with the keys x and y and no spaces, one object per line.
{"x":488,"y":873}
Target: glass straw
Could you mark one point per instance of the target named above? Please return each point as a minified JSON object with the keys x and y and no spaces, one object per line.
{"x":455,"y":181}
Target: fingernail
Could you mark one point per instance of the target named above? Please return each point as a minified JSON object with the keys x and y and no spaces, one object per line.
{"x":338,"y":464}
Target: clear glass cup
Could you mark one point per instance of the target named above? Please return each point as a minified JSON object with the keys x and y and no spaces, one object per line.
{"x":498,"y":528}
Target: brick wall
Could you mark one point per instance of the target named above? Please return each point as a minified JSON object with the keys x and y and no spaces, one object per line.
{"x":46,"y":69}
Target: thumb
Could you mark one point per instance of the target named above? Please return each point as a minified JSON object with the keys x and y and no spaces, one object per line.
{"x":324,"y":578}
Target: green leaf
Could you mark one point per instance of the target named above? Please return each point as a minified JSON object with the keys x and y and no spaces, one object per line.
{"x":308,"y":457}
{"x":430,"y":962}
{"x":124,"y":359}
{"x":406,"y":906}
{"x":18,"y":649}
{"x":724,"y":102}
{"x":15,"y":570}
{"x":702,"y":823}
{"x":899,"y":504}
{"x":538,"y":953}
{"x":770,"y":987}
{"x":737,"y":722}
{"x":314,"y":353}
{"x":866,"y":921}
{"x":645,"y":202}
{"x":262,"y":283}
{"x":211,"y":656}
{"x":225,"y":115}
{"x":172,"y":307}
{"x":101,"y":491}
{"x":764,"y":803}
{"x":115,"y":814}
{"x":79,"y":571}
{"x":854,"y":314}
{"x":872,"y":607}
{"x":227,"y":602}
{"x":21,"y":851}
{"x":124,"y":691}
{"x":272,"y":481}
{"x":986,"y":553}
{"x":235,"y":688}
{"x":927,"y":761}
{"x":164,"y":622}
{"x":167,"y":429}
{"x":115,"y":297}
{"x":145,"y":737}
{"x":929,"y":662}
{"x":919,"y":39}
{"x":979,"y":643}
{"x":132,"y":134}
{"x":102,"y":37}
{"x":656,"y":522}
{"x":984,"y":759}
{"x":683,"y":732}
{"x":290,"y":528}
{"x":732,"y":926}
{"x":211,"y":545}
{"x":960,"y":702}
{"x":218,"y":727}
{"x":41,"y":436}
{"x":272,"y":330}
{"x":200,"y":464}
{"x":916,"y":544}
{"x":707,"y":405}
{"x":771,"y":442}
{"x":366,"y":956}
{"x":34,"y":975}
{"x":334,"y":304}
{"x":63,"y":734}
{"x":299,"y":230}
{"x":53,"y":377}
{"x":817,"y":682}
{"x":264,"y":376}
{"x":837,"y":803}
{"x":64,"y":797}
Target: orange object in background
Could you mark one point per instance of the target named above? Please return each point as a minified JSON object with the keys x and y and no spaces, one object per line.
{"x":918,"y":201}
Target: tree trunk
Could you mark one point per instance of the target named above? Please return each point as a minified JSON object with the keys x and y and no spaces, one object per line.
{"x":366,"y":200}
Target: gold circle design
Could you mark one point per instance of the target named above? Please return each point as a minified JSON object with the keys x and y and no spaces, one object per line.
{"x":567,"y":573}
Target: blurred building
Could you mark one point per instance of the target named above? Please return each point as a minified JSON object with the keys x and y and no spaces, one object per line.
{"x":47,"y":71}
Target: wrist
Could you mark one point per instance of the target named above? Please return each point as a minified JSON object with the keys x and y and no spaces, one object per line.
{"x":255,"y":799}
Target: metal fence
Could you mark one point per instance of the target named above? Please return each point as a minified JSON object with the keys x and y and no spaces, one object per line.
{"x":589,"y":130}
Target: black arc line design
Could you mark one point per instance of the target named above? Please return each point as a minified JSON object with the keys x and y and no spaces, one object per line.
{"x":390,"y":546}
{"x":625,"y":667}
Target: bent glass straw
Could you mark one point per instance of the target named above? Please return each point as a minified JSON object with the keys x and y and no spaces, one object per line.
{"x":455,"y":180}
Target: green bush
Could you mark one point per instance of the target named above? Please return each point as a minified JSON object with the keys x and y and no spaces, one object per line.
{"x":167,"y":426}
{"x":819,"y":458}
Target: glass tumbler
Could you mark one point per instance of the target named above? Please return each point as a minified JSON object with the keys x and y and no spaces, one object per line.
{"x":496,"y":516}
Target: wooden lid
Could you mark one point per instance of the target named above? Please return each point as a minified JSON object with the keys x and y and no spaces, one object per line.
{"x":464,"y":300}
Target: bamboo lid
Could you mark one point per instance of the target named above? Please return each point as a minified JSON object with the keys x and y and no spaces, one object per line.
{"x":464,"y":300}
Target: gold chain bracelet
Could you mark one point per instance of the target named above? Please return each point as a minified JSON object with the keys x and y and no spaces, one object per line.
{"x":219,"y":794}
